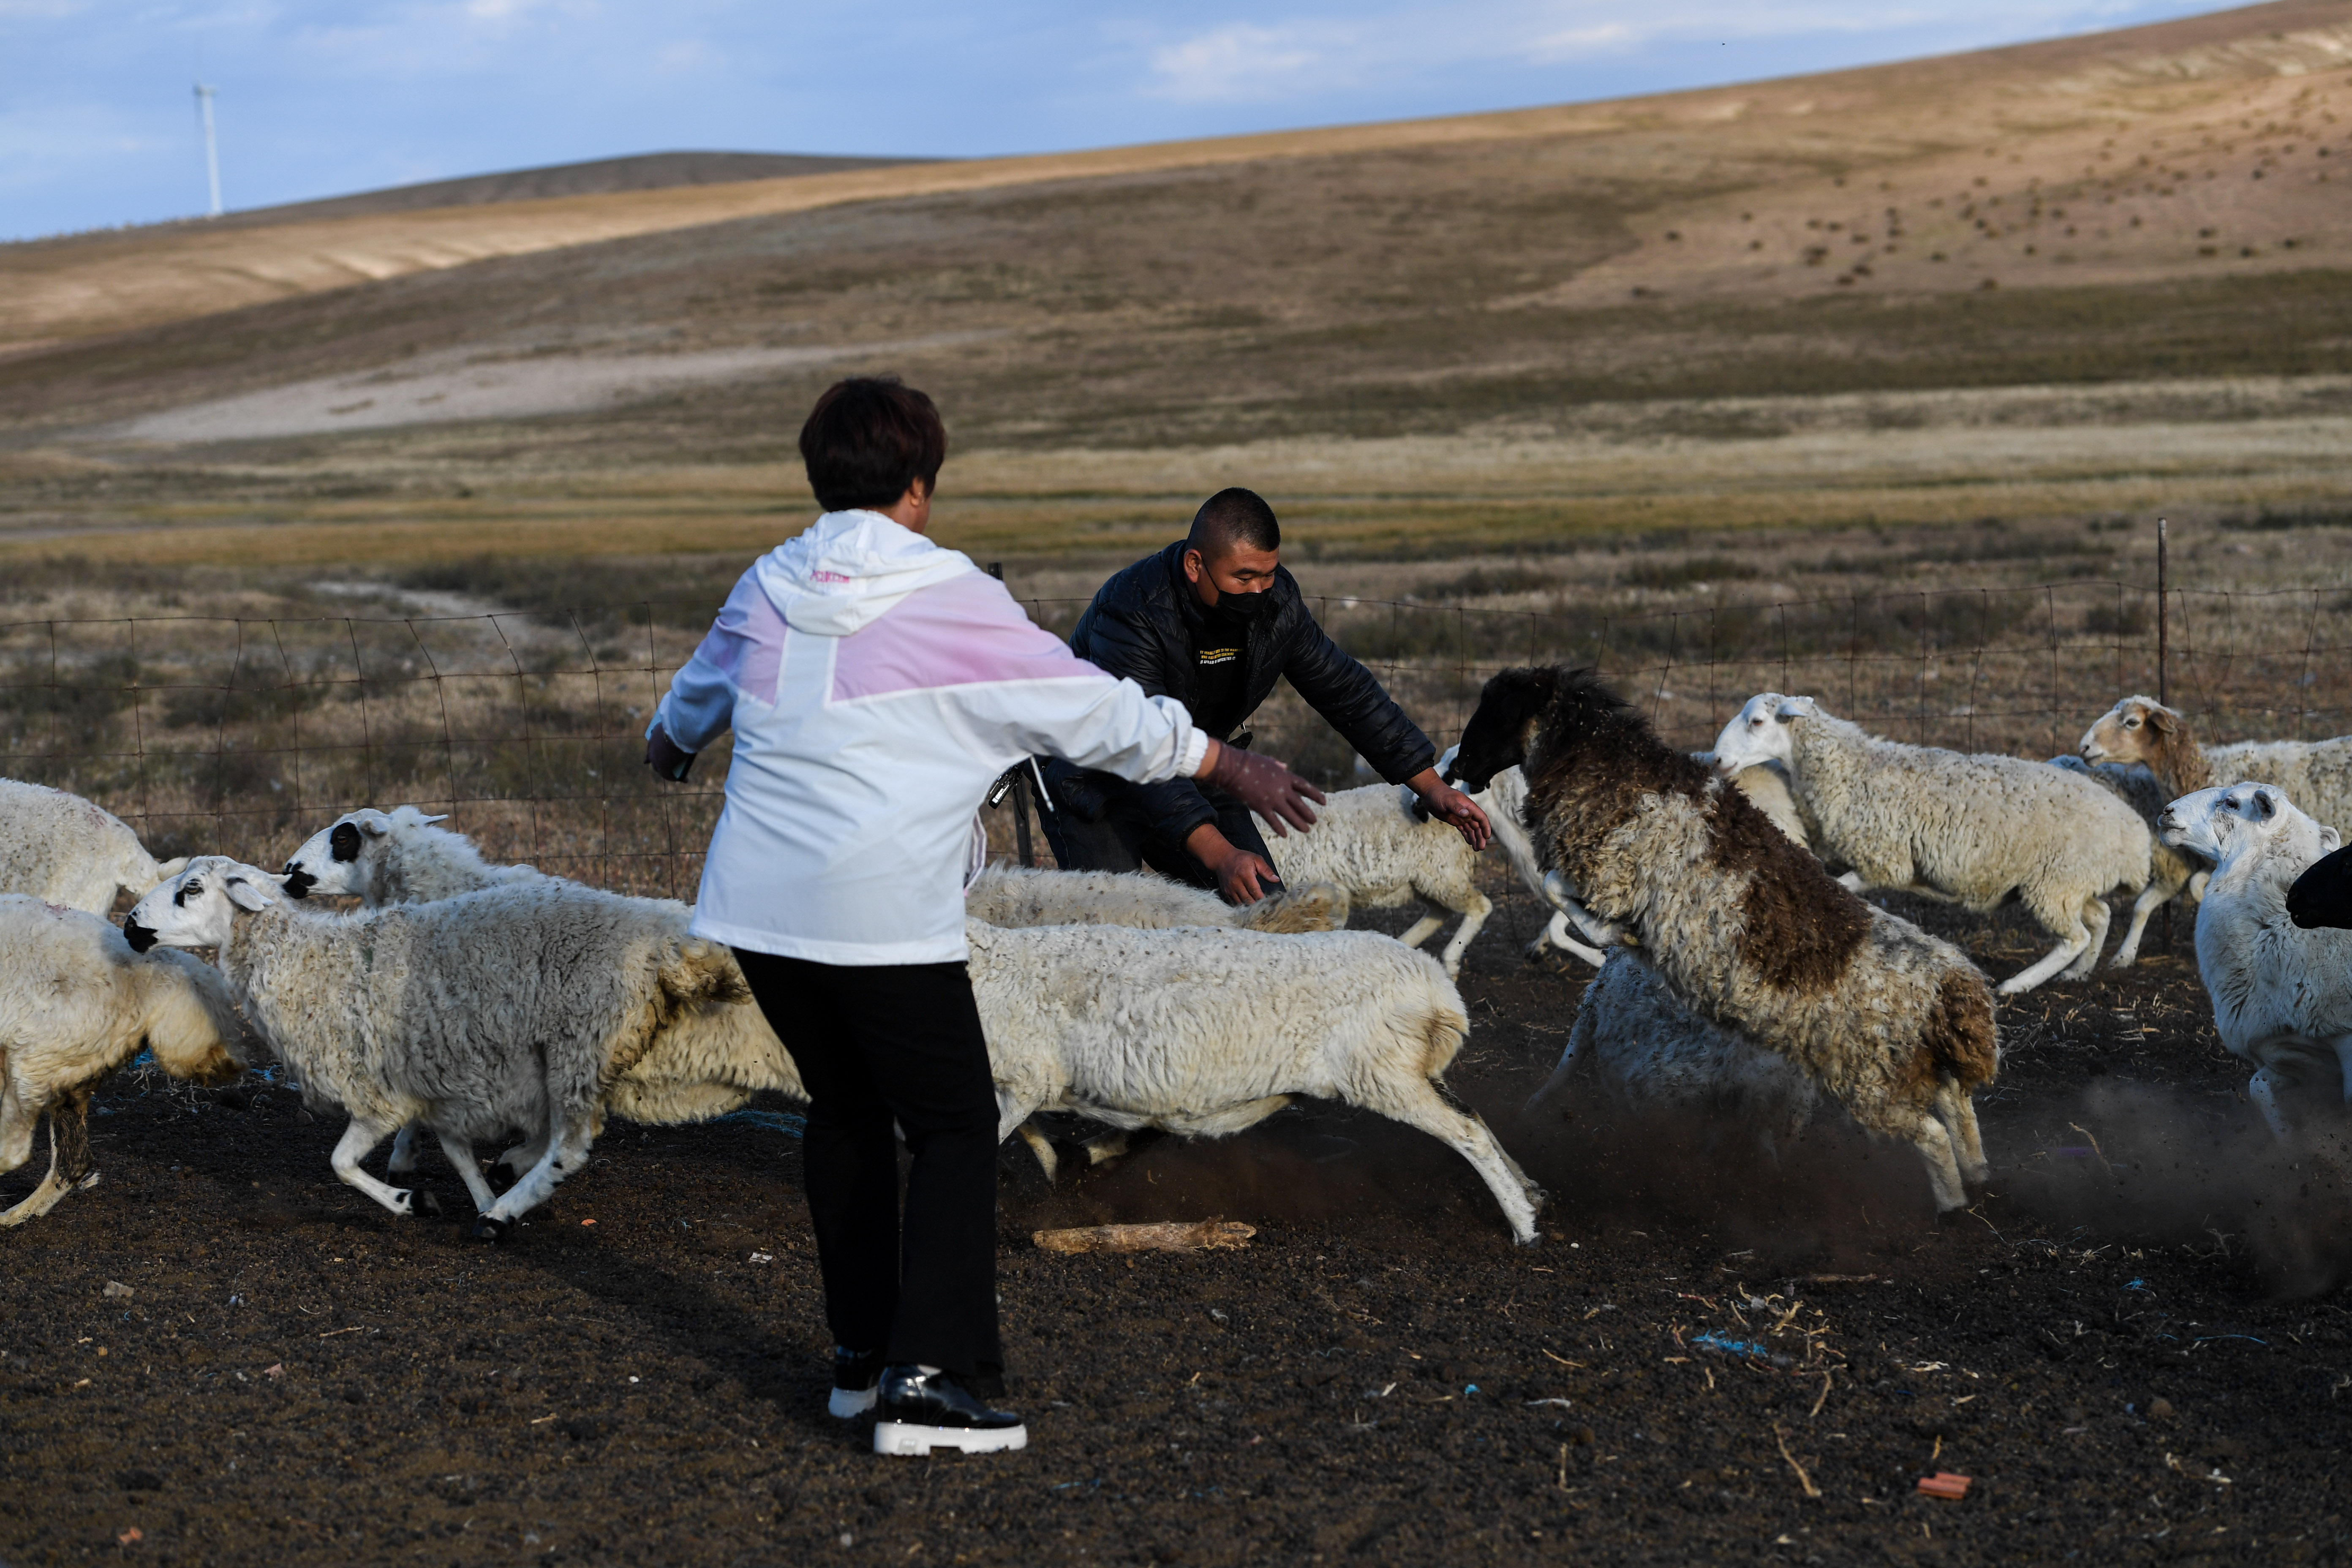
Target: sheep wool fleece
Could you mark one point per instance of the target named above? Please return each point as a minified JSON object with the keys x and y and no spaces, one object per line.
{"x":877,"y":684}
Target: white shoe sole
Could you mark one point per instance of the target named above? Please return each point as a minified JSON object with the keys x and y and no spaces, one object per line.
{"x":906,"y":1438}
{"x":846,"y":1403}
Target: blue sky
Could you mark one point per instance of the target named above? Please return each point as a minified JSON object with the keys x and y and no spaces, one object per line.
{"x":97,"y":122}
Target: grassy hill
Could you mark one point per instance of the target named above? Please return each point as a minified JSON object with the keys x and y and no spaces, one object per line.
{"x":2157,"y":218}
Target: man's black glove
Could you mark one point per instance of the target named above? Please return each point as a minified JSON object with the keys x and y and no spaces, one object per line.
{"x":662,"y":755}
{"x":1266,"y":787}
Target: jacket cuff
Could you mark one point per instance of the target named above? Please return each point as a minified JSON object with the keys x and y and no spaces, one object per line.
{"x":1195,"y":751}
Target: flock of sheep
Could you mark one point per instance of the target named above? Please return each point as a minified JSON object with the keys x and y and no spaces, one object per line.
{"x":466,"y":1002}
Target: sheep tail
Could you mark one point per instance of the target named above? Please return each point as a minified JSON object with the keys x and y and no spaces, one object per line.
{"x":1312,"y":906}
{"x":1960,"y":1037}
{"x":699,"y":977}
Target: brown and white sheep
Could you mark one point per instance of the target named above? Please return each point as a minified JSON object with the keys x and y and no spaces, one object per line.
{"x":1747,"y":928}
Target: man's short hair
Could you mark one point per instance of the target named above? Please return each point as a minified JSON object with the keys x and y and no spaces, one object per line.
{"x":868,"y":439}
{"x":1233,"y":517}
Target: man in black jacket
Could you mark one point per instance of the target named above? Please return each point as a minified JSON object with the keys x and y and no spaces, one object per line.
{"x":1212,"y":620}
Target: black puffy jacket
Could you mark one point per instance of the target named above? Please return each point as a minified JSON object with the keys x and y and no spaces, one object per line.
{"x":1143,"y":624}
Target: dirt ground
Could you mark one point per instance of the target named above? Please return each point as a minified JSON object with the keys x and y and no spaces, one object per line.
{"x":2128,"y":1343}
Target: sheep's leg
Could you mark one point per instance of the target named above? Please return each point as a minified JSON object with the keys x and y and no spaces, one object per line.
{"x":1473,"y":917}
{"x":1934,"y":1146}
{"x":1557,"y":935}
{"x":2070,"y":947}
{"x":1105,"y":1147}
{"x":18,"y":1122}
{"x":2197,"y":887}
{"x":1423,"y":1105}
{"x":460,"y":1152}
{"x":525,"y":1155}
{"x":46,"y":1196}
{"x":1042,"y":1147}
{"x":403,"y":1150}
{"x":1958,"y":1113}
{"x":2095,"y":916}
{"x":359,"y":1140}
{"x":1852,"y":882}
{"x":2151,"y":898}
{"x":565,"y":1153}
{"x":1562,"y":895}
{"x":1421,"y":930}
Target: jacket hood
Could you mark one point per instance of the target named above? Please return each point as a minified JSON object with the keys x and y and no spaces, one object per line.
{"x":849,"y":569}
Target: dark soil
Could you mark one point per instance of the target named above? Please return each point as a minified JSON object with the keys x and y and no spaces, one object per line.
{"x":2127,"y":1345}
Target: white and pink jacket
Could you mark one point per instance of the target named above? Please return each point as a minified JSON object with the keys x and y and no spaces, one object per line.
{"x":876,"y":685}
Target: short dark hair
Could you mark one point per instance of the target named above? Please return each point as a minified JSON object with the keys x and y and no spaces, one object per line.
{"x":1233,"y":517}
{"x":868,"y":439}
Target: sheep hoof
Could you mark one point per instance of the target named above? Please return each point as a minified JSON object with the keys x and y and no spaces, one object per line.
{"x":485,"y":1229}
{"x":403,"y":1202}
{"x":430,"y":1204}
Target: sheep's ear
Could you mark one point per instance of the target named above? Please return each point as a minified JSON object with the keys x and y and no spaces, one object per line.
{"x":244,"y":895}
{"x":2164,"y":722}
{"x":2330,"y":841}
{"x":1794,"y":708}
{"x":374,"y":826}
{"x":429,"y":821}
{"x":2265,"y":805}
{"x":167,"y":869}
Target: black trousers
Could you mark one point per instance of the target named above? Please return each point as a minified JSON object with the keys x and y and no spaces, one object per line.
{"x":1125,"y":840}
{"x":899,"y":1042}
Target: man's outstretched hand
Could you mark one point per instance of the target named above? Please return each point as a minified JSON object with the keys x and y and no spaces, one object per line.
{"x":1266,"y":787}
{"x":663,"y":755}
{"x":1442,"y":800}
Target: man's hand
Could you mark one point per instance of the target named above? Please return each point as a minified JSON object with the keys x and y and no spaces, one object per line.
{"x":1265,"y":785}
{"x":1442,"y":800}
{"x":663,"y":755}
{"x":1241,"y":877}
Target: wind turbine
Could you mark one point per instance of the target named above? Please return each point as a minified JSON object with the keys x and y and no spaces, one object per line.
{"x":212,"y":147}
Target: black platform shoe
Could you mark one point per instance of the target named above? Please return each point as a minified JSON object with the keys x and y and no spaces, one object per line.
{"x":922,"y":1410}
{"x":856,"y":1374}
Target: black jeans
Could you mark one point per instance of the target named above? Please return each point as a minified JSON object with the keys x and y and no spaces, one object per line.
{"x":1125,"y":840}
{"x":901,"y":1042}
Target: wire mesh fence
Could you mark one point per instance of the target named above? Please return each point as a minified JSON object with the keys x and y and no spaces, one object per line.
{"x":221,"y":734}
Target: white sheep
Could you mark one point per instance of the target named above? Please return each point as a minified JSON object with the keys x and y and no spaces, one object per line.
{"x":1366,"y":843}
{"x":1203,"y":1031}
{"x":76,"y":1003}
{"x":1015,"y":896}
{"x":515,"y":1006}
{"x":1747,"y":928}
{"x":2282,"y":995}
{"x":2171,"y":873}
{"x":63,"y":849}
{"x":706,"y":1065}
{"x":1968,"y":828}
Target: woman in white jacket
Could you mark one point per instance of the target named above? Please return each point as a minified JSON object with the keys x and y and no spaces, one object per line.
{"x":877,"y":684}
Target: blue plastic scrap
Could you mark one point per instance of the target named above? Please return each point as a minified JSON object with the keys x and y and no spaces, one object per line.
{"x":1711,"y":1341}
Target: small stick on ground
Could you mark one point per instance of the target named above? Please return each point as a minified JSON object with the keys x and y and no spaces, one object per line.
{"x":2094,"y":1147}
{"x":1804,"y":1479}
{"x":1825,"y":1399}
{"x":1198,"y":1236}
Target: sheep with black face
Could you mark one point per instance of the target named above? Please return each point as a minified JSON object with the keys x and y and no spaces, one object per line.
{"x":514,"y":1006}
{"x":1745,"y":927}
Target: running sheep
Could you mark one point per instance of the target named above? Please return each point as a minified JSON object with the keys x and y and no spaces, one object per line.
{"x":515,"y":1006}
{"x":710,"y":1063}
{"x":2282,"y":994}
{"x":1748,"y":928}
{"x":76,"y":1003}
{"x":1971,"y":829}
{"x":63,"y":849}
{"x":1384,"y":857}
{"x":1204,"y":1031}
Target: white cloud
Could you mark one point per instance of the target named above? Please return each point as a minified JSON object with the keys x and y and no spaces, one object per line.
{"x":1239,"y":61}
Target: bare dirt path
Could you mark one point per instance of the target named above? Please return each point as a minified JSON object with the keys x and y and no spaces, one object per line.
{"x":2123,"y":1345}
